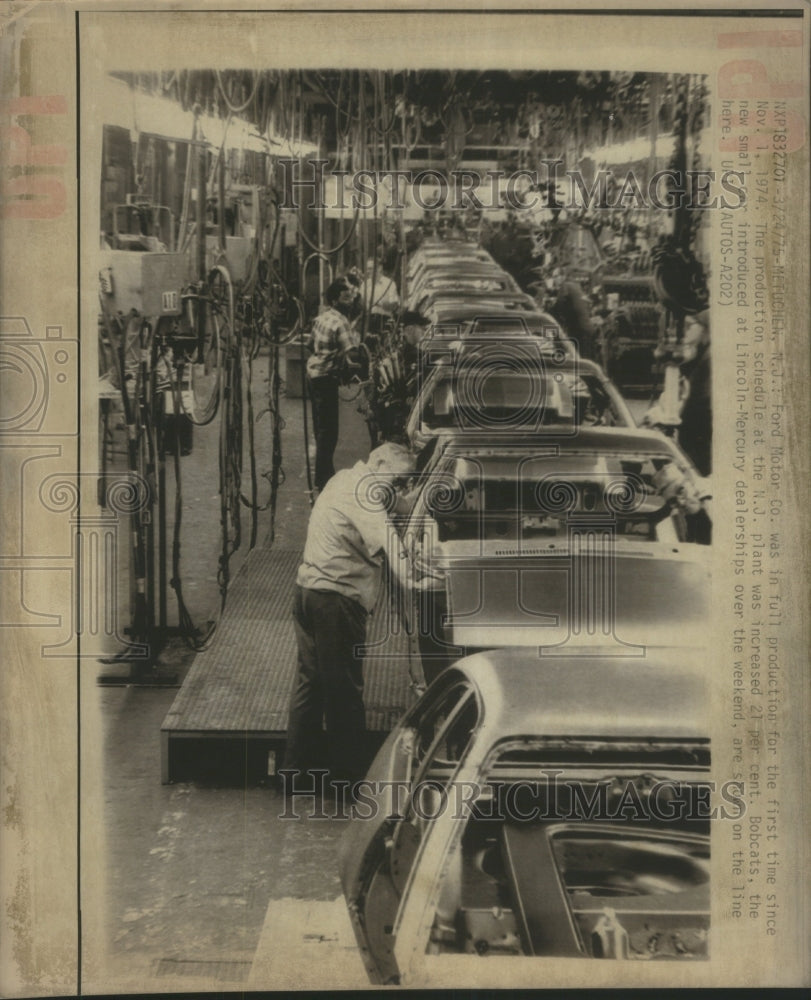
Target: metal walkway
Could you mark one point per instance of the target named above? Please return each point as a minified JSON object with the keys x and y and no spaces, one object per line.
{"x":239,"y":688}
{"x":230,"y":715}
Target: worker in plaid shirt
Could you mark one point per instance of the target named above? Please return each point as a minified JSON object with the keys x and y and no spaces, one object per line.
{"x":334,"y":354}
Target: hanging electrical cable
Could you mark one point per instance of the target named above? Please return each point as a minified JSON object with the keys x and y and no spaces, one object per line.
{"x":276,"y":475}
{"x":304,"y":416}
{"x":192,"y":635}
{"x":277,"y":424}
{"x":206,"y":363}
{"x":230,"y":465}
{"x":281,"y":104}
{"x":252,"y":502}
{"x":379,"y":90}
{"x":302,"y":347}
{"x":336,"y":249}
{"x":199,"y":367}
{"x":236,"y":109}
{"x":117,"y":335}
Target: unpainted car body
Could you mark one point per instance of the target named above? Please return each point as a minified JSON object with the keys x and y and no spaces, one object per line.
{"x":432,"y":302}
{"x":463,"y":276}
{"x":505,"y":387}
{"x":480,"y":323}
{"x":568,"y":535}
{"x":433,"y":252}
{"x":476,"y":839}
{"x":459,"y":309}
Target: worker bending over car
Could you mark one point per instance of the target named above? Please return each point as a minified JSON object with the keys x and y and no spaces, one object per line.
{"x":349,"y":538}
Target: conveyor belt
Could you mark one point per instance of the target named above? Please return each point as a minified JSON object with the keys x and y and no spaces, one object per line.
{"x":239,"y":688}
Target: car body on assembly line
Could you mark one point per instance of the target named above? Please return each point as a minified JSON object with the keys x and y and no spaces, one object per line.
{"x":528,"y":807}
{"x":513,"y":386}
{"x":463,"y":278}
{"x":452,"y":307}
{"x":567,"y":535}
{"x":439,"y":252}
{"x":474,"y":321}
{"x":433,"y":302}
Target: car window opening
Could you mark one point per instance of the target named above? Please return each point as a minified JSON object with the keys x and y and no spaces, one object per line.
{"x":592,"y":887}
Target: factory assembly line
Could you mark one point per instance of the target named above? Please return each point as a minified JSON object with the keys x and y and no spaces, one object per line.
{"x":418,"y":407}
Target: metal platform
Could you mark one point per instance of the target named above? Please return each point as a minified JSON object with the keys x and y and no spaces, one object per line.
{"x":237,"y":691}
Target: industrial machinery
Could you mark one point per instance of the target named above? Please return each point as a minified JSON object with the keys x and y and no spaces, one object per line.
{"x":631,"y":329}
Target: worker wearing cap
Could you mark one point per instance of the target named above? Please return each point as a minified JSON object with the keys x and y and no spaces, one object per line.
{"x":348,"y":539}
{"x":334,"y":344}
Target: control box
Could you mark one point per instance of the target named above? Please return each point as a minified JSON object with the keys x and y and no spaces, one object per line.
{"x":150,"y":283}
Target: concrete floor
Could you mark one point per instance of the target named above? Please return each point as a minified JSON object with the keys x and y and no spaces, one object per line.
{"x":193,"y":871}
{"x":196,"y":875}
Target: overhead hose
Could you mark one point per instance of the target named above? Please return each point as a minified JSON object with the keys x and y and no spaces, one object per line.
{"x":197,"y":640}
{"x":277,"y":423}
{"x":230,"y":462}
{"x":235,"y":109}
{"x":252,"y":503}
{"x":303,"y":357}
{"x":340,"y":246}
{"x":213,"y":348}
{"x":139,"y":615}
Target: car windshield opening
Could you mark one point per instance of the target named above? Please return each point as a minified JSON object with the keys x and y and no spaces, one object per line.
{"x":644,"y":498}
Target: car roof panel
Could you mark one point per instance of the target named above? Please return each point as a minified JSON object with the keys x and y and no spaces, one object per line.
{"x":659,"y":695}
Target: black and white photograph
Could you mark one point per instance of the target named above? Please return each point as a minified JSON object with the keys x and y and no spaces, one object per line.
{"x":415,"y":441}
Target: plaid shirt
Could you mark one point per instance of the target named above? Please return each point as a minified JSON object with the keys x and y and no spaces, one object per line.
{"x":332,"y":339}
